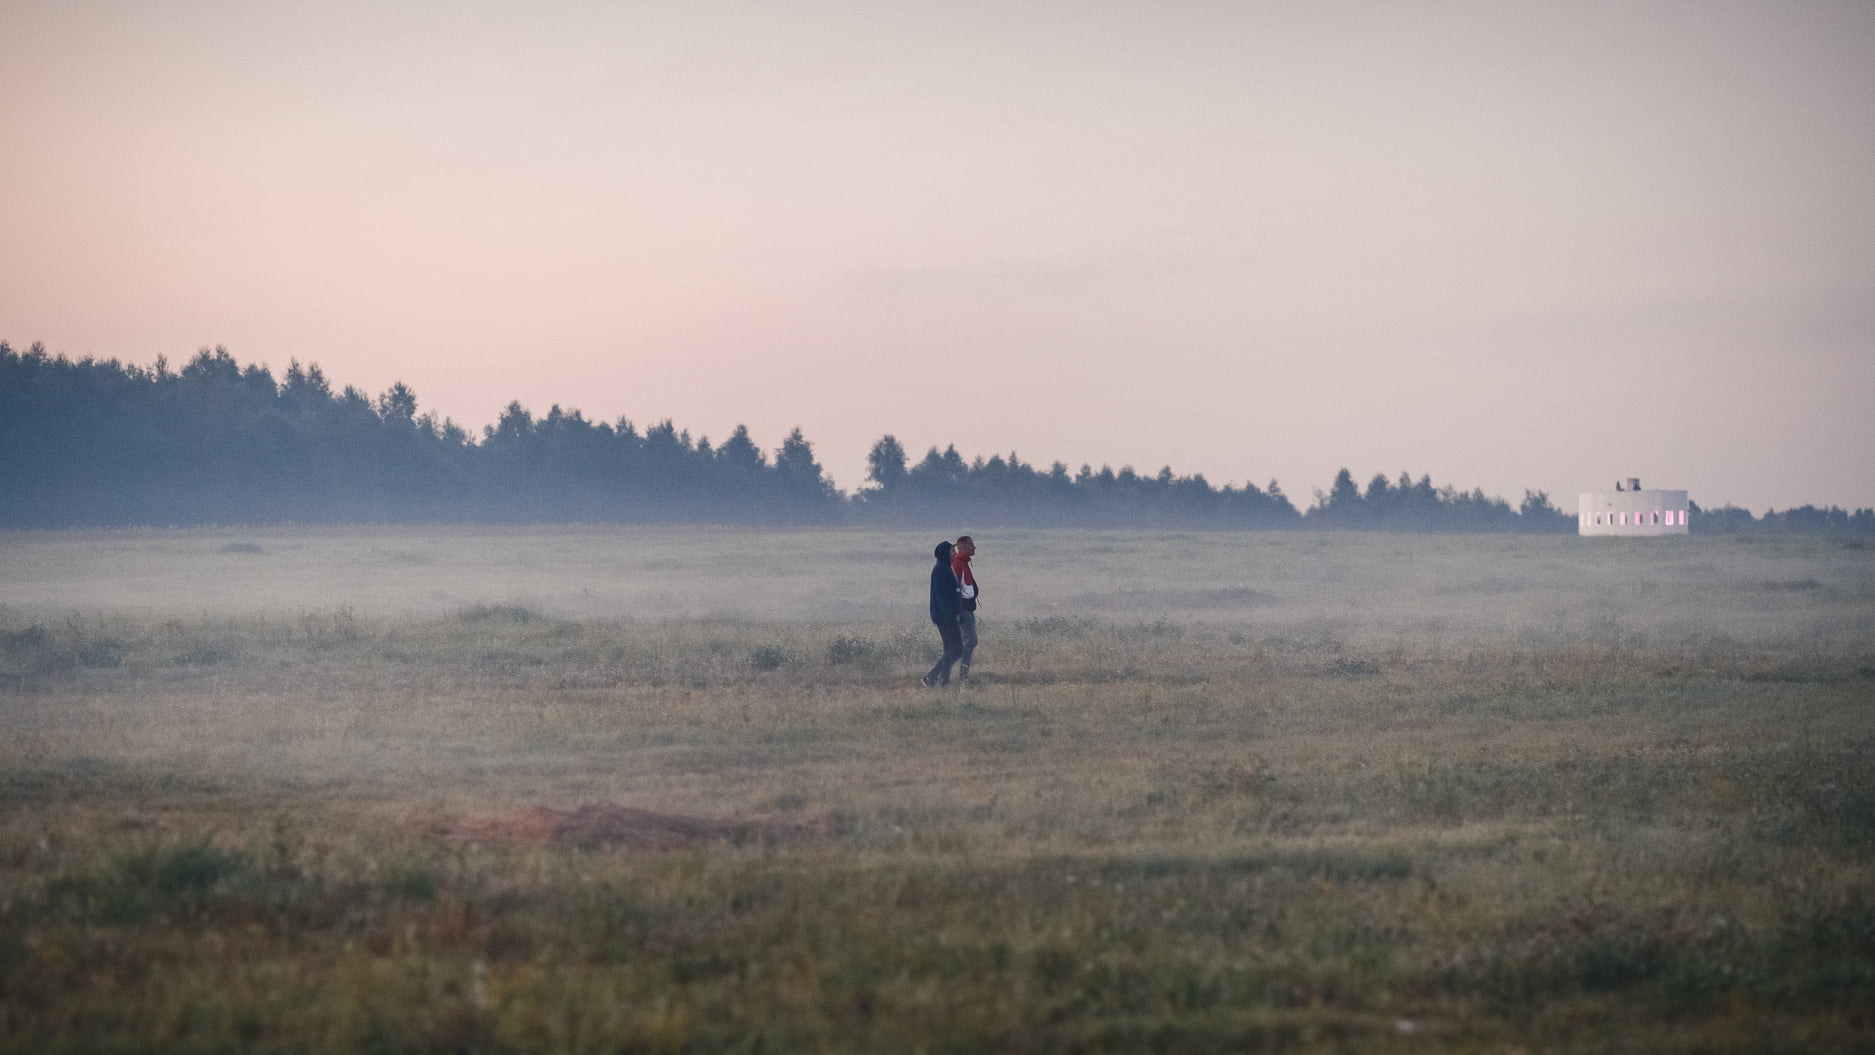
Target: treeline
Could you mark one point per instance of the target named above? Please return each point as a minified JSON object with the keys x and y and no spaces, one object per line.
{"x":1011,"y":492}
{"x":1799,"y":520}
{"x":1409,"y":505}
{"x":92,"y":443}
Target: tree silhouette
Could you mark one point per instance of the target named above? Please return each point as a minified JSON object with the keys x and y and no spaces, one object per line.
{"x":885,"y":464}
{"x":99,"y":443}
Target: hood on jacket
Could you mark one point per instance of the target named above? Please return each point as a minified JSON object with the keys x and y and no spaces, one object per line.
{"x":943,"y":552}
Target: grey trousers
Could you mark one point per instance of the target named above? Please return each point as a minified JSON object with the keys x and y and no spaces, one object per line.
{"x":967,"y":629}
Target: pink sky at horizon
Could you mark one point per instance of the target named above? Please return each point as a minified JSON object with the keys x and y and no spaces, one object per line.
{"x":1512,"y":246}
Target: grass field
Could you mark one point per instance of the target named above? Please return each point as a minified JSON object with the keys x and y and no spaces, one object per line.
{"x":607,"y":790}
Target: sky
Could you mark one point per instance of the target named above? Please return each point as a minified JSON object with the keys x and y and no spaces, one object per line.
{"x":1510,"y":245}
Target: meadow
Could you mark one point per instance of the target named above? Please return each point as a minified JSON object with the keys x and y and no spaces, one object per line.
{"x":597,"y":790}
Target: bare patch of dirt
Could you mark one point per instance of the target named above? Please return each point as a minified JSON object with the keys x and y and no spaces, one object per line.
{"x":606,"y":824}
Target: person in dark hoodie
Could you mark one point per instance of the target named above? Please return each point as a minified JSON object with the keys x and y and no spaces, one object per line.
{"x":945,"y":604}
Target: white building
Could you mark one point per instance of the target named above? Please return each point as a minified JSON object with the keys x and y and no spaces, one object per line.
{"x":1631,"y":511}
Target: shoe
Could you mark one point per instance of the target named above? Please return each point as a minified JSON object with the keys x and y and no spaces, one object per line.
{"x":926,"y":681}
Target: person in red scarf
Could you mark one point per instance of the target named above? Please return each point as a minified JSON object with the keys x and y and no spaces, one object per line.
{"x":967,"y":607}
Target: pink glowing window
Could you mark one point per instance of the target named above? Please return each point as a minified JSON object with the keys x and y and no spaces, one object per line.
{"x":1624,"y":520}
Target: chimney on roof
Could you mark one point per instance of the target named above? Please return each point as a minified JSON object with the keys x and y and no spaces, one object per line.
{"x":1634,"y":483}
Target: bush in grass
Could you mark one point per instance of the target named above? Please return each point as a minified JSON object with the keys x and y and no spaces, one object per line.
{"x":171,"y":881}
{"x":498,"y":613}
{"x":844,"y":650}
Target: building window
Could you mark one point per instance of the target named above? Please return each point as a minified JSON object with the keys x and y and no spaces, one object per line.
{"x":1656,"y":516}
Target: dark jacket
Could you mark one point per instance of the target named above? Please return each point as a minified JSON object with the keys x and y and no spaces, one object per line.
{"x":944,"y":599}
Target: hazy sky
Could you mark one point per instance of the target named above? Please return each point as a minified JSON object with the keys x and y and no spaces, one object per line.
{"x":1511,"y":245}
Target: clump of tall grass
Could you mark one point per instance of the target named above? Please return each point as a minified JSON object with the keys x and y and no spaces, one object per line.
{"x":768,"y":657}
{"x":173,"y":883}
{"x":38,"y":649}
{"x":498,"y":613}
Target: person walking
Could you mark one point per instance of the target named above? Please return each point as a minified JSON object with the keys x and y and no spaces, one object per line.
{"x":967,"y":608}
{"x":945,"y":604}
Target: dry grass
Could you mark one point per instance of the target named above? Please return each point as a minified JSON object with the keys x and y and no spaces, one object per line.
{"x":581,"y":790}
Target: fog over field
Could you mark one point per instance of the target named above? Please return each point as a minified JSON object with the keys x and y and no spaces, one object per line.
{"x":678,"y":790}
{"x":1471,"y":587}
